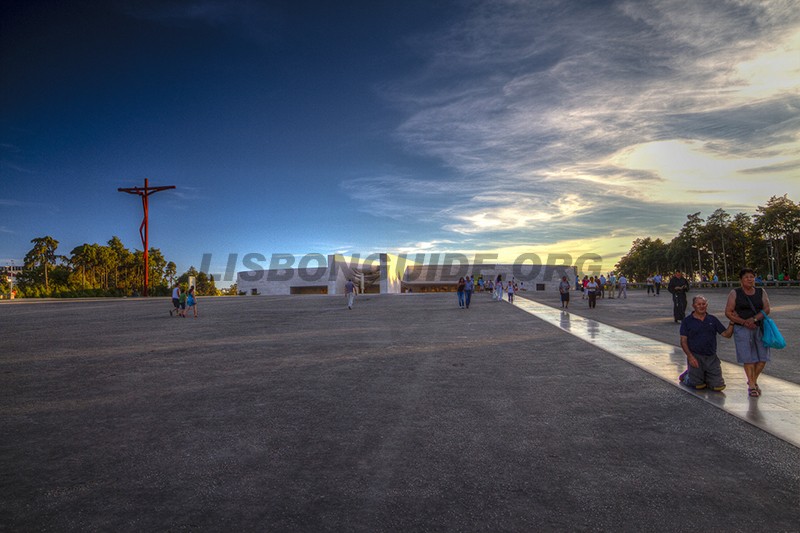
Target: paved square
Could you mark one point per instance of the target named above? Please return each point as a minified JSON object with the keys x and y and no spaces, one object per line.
{"x":404,"y":414}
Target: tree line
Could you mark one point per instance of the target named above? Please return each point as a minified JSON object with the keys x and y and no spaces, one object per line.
{"x":101,"y":270}
{"x":722,"y":244}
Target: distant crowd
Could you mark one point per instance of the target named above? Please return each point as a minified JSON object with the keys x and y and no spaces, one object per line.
{"x":497,"y":287}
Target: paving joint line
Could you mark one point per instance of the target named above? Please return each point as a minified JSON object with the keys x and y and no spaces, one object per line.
{"x":777,"y":411}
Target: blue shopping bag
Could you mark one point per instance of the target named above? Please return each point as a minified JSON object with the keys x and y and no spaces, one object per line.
{"x":771,"y":337}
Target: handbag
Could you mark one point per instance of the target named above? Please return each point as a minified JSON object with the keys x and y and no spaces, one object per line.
{"x":771,"y":337}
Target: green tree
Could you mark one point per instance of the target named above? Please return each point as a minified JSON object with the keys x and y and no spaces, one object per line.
{"x":183,"y":279}
{"x":157,"y":265}
{"x":135,"y":271}
{"x":122,"y":259}
{"x":777,"y":223}
{"x":716,"y":238}
{"x":645,"y":257}
{"x":42,"y":256}
{"x":169,"y":271}
{"x":233,"y":290}
{"x":81,"y":258}
{"x":106,"y":258}
{"x":204,"y":284}
{"x":686,"y":247}
{"x":741,"y":233}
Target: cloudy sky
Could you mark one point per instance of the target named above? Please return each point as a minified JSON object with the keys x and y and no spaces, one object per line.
{"x":455,"y":126}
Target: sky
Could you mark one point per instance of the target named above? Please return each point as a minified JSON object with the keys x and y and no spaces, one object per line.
{"x":316,"y":127}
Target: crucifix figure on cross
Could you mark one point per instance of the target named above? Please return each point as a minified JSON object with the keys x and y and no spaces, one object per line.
{"x":144,"y":192}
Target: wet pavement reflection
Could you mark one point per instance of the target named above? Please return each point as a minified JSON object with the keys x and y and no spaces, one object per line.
{"x":777,"y":411}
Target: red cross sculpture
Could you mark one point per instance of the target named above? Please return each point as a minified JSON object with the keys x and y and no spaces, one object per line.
{"x":144,"y":192}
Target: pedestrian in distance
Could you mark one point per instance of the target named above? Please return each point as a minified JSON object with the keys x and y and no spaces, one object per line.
{"x":182,"y":303}
{"x":657,"y":282}
{"x":350,"y":293}
{"x":176,"y":301}
{"x":498,"y":288}
{"x":591,"y":291}
{"x":191,"y":301}
{"x":746,"y":307}
{"x":563,"y":289}
{"x":622,"y":282}
{"x":511,"y":288}
{"x":469,"y":288}
{"x":678,"y":287}
{"x":651,"y":288}
{"x":460,"y":291}
{"x":698,"y":333}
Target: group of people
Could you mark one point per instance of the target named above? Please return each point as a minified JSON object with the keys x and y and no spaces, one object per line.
{"x":653,"y":284}
{"x":495,"y":286}
{"x":466,"y":286}
{"x":593,"y":287}
{"x":771,"y":280}
{"x":745,"y":308}
{"x":602,"y":286}
{"x":464,"y":290}
{"x":183,"y":301}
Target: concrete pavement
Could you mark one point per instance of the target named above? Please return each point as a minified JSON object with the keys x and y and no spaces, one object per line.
{"x":404,"y":414}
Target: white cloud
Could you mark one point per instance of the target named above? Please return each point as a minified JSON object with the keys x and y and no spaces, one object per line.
{"x":557,"y":109}
{"x":516,"y":212}
{"x":689,"y":167}
{"x":774,"y":71}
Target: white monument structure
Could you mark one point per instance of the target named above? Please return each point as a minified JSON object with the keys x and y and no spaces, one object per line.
{"x":391,"y":274}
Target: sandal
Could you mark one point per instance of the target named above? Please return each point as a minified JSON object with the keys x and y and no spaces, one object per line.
{"x":755,"y":393}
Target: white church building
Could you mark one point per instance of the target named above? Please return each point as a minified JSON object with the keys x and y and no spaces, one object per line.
{"x":385,"y":273}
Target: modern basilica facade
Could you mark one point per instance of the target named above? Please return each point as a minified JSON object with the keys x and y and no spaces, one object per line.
{"x":385,"y":273}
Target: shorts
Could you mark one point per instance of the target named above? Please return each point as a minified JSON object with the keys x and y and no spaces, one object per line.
{"x":564,"y":296}
{"x":709,"y":372}
{"x":749,"y":348}
{"x":176,"y":303}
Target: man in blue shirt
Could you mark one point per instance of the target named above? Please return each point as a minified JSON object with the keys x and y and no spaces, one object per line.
{"x":350,"y":292}
{"x":657,"y":279}
{"x":468,"y":288}
{"x":699,"y":342}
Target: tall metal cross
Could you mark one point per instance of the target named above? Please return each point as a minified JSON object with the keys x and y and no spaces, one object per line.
{"x":144,"y":192}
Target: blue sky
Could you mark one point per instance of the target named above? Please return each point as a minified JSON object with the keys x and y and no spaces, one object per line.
{"x":319,"y":127}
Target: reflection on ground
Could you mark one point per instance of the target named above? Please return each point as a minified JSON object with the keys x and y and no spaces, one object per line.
{"x":777,"y":411}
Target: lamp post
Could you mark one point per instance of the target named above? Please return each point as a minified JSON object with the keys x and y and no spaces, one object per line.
{"x":699,"y":263}
{"x":771,"y":257}
{"x":11,"y":281}
{"x":724,"y":258}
